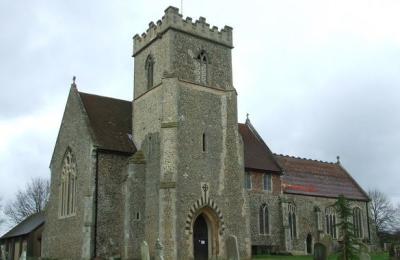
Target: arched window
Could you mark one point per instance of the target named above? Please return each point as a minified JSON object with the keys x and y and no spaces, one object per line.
{"x":292,"y":220}
{"x":68,"y":185}
{"x":149,"y":67}
{"x":357,"y":222}
{"x":330,"y":220}
{"x":201,"y":67}
{"x":264,"y":220}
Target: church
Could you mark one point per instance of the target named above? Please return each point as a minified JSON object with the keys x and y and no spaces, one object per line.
{"x":174,"y":167}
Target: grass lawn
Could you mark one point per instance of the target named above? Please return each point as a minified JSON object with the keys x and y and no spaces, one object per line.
{"x":332,"y":257}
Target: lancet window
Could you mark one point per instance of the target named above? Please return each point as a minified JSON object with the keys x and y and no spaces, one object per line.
{"x":292,"y":220}
{"x":149,"y":68}
{"x":264,"y":220}
{"x":68,"y":185}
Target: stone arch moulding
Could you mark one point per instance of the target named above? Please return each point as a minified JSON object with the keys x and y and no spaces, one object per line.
{"x":197,"y":209}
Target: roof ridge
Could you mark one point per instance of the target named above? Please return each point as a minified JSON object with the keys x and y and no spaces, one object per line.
{"x":118,"y":99}
{"x":303,"y":158}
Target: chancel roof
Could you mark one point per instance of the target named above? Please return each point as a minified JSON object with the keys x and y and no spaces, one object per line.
{"x":111,"y":122}
{"x":317,"y":178}
{"x":26,"y":226}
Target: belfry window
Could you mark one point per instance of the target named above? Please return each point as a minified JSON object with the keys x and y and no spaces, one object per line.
{"x":149,"y":68}
{"x":330,"y":220}
{"x":357,"y":222}
{"x":264,"y":220}
{"x":201,"y":68}
{"x":292,"y":220}
{"x":68,"y":186}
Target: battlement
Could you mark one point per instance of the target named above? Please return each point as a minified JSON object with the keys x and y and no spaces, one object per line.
{"x":173,"y":19}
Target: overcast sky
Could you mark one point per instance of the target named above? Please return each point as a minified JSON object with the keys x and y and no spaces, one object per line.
{"x":318,"y":78}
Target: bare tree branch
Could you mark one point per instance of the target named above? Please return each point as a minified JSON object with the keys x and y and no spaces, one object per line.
{"x":1,"y":208}
{"x":32,"y":199}
{"x":382,"y":211}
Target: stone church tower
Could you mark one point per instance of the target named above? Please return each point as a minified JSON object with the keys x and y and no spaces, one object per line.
{"x":175,"y":169}
{"x":186,"y":178}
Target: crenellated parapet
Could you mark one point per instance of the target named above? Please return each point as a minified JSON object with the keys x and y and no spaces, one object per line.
{"x":173,"y":19}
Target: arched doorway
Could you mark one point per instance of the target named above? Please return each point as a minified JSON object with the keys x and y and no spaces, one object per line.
{"x":200,"y":238}
{"x":309,"y":244}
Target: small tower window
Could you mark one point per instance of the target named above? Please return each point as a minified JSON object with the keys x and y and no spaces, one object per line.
{"x":204,"y":142}
{"x":201,"y":68}
{"x":149,"y":67}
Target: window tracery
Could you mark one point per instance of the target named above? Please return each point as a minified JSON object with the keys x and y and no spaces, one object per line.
{"x":330,"y":219}
{"x":68,"y":185}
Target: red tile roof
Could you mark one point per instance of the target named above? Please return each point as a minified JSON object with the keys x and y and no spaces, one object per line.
{"x":317,"y":178}
{"x":257,"y":155}
{"x":111,"y":122}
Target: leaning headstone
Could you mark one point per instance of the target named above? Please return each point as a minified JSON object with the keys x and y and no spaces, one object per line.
{"x":320,"y":252}
{"x":159,"y":250}
{"x":327,"y":241}
{"x":144,"y":250}
{"x":232,"y":250}
{"x":394,"y":252}
{"x":24,"y":248}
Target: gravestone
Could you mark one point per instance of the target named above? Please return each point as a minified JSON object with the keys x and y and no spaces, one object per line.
{"x":159,"y":250}
{"x":327,"y":241}
{"x":394,"y":252}
{"x":320,"y":252}
{"x":23,"y":254}
{"x":232,"y":250}
{"x":144,"y":250}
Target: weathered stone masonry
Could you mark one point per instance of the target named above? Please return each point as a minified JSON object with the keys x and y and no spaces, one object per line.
{"x":148,"y":169}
